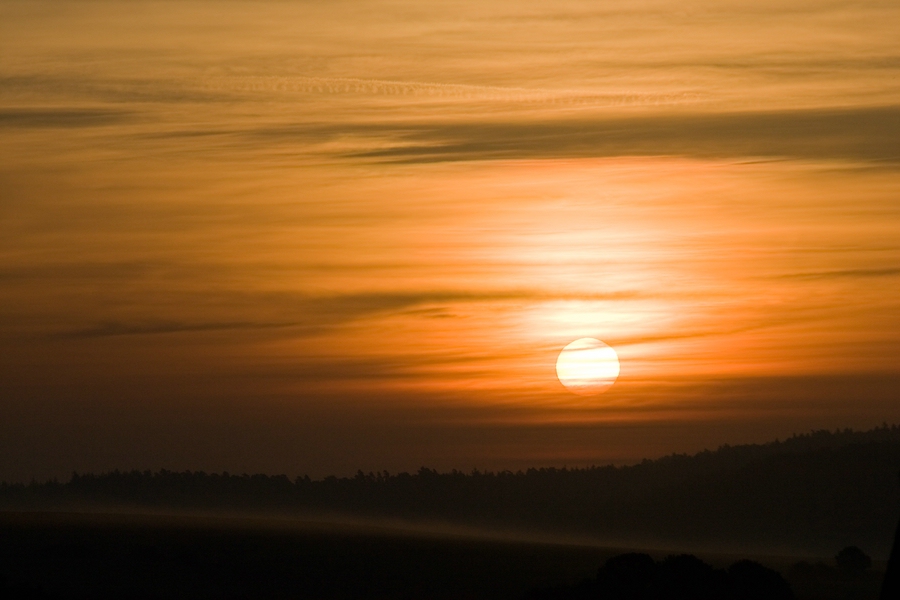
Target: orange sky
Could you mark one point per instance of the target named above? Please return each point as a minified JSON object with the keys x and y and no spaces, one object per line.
{"x":315,"y":237}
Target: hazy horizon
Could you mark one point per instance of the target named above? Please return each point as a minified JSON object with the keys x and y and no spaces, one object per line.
{"x":309,"y":237}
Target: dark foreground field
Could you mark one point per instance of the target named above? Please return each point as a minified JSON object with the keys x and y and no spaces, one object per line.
{"x":59,"y":555}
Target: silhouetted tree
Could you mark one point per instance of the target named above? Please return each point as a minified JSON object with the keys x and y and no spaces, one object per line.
{"x":627,"y":576}
{"x":682,"y":577}
{"x":20,"y":590}
{"x":686,"y":577}
{"x":752,"y":581}
{"x":853,"y":561}
{"x":890,"y":587}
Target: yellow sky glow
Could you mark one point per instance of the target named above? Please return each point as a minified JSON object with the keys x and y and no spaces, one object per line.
{"x":357,"y":234}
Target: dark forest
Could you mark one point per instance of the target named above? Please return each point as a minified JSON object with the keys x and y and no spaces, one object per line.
{"x":811,"y":493}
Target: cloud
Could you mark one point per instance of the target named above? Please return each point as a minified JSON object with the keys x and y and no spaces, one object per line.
{"x":442,"y":91}
{"x":81,"y":271}
{"x":309,"y":315}
{"x":847,"y":273}
{"x":676,"y":126}
{"x":61,"y":117}
{"x":151,"y":327}
{"x":127,"y":88}
{"x":864,"y":134}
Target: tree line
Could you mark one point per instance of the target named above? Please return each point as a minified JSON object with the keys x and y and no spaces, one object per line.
{"x":814,"y":491}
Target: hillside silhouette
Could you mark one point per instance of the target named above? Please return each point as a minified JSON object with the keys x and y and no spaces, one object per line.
{"x":636,"y":576}
{"x":810,"y":493}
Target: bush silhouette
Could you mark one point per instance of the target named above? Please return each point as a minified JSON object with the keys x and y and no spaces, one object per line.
{"x":853,"y":561}
{"x":687,"y":577}
{"x":751,"y":580}
{"x":683,"y":577}
{"x":627,"y":576}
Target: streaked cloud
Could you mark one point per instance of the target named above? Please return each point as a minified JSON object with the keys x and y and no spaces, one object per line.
{"x":305,"y":315}
{"x":849,"y":273}
{"x":60,"y":118}
{"x":858,"y":134}
{"x":362,"y":231}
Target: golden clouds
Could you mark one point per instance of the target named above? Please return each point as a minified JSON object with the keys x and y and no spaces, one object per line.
{"x":422,"y":203}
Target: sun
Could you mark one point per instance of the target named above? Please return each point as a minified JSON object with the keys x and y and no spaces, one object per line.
{"x":587,"y":367}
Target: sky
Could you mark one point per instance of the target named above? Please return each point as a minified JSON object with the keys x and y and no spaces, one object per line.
{"x":312,"y":237}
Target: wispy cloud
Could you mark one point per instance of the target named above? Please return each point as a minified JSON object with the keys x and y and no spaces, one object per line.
{"x":307,"y":315}
{"x":867,"y":133}
{"x":298,"y":205}
{"x":847,"y":273}
{"x":62,"y":117}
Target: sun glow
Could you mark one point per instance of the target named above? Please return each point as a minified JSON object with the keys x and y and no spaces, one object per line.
{"x":587,"y":367}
